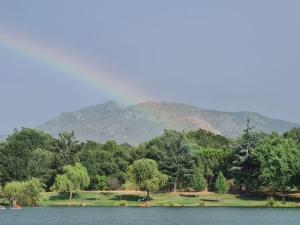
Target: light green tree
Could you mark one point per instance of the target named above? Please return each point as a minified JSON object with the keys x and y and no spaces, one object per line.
{"x":63,"y":184}
{"x":221,"y":185}
{"x":145,"y":175}
{"x":101,"y":184}
{"x":33,"y":189}
{"x":73,"y":179}
{"x":199,"y":180}
{"x":15,"y":190}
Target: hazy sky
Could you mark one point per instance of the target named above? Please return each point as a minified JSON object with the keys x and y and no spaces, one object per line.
{"x":224,"y":55}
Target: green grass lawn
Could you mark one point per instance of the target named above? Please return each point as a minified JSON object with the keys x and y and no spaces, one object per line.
{"x":126,"y":198}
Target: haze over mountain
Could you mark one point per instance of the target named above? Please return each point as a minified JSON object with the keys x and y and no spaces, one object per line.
{"x":141,"y":122}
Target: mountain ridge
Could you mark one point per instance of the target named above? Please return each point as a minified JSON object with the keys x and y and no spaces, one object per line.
{"x":140,"y":122}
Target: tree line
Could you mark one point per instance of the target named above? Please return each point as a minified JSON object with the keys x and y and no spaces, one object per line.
{"x":31,"y":160}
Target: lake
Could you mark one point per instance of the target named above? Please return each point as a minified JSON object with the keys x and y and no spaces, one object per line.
{"x":150,"y":216}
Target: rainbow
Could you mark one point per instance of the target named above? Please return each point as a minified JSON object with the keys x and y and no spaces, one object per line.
{"x":71,"y":65}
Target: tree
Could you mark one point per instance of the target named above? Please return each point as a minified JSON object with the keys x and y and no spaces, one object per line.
{"x":296,"y":177}
{"x":33,"y":188}
{"x":41,"y":165}
{"x":101,"y":183}
{"x":221,"y":185}
{"x":245,"y":168}
{"x":66,"y":146}
{"x":206,"y":139}
{"x":279,"y":160}
{"x":145,"y":175}
{"x":2,"y":157}
{"x":15,"y":190}
{"x":212,"y":161}
{"x":120,"y":161}
{"x":199,"y":180}
{"x":24,"y":191}
{"x":63,"y":184}
{"x":293,"y":134}
{"x":74,"y":178}
{"x":16,"y":152}
{"x":110,"y":160}
{"x":175,"y":159}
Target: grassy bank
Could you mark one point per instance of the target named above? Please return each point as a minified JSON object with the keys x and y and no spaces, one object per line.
{"x":125,"y":198}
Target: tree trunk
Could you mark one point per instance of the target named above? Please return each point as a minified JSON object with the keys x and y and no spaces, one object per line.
{"x":209,"y":183}
{"x":219,"y":198}
{"x":175,"y":186}
{"x":283,"y":197}
{"x":148,"y":195}
{"x":98,"y":195}
{"x":71,"y":194}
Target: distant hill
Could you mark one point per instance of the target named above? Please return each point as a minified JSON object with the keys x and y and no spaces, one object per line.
{"x":141,"y":122}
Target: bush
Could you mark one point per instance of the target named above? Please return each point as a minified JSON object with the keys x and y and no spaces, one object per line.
{"x":122,"y":203}
{"x":24,"y":192}
{"x":201,"y":204}
{"x":113,"y":184}
{"x":162,"y":204}
{"x":175,"y":204}
{"x":33,"y":189}
{"x":15,"y":190}
{"x":272,"y":202}
{"x":199,"y":181}
{"x":129,"y":186}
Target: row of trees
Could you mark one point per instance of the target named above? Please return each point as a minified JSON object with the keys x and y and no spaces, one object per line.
{"x":143,"y":174}
{"x":176,"y":160}
{"x":266,"y":161}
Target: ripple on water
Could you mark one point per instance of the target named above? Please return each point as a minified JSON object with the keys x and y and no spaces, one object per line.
{"x":151,"y":216}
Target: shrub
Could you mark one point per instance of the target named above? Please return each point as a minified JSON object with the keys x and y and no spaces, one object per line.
{"x":272,"y":202}
{"x":175,"y":204}
{"x":122,"y":203}
{"x":33,"y":189}
{"x":162,"y":204}
{"x":15,"y":190}
{"x":201,"y":204}
{"x":129,"y":186}
{"x":113,"y":184}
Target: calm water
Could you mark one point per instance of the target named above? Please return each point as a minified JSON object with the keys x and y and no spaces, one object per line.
{"x":151,"y":216}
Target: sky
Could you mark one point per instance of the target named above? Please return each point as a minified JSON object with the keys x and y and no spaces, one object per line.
{"x":224,"y":55}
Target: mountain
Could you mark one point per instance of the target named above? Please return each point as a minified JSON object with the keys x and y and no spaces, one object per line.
{"x":141,"y":122}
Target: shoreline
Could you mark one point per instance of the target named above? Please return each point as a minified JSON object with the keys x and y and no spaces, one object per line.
{"x":170,"y":200}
